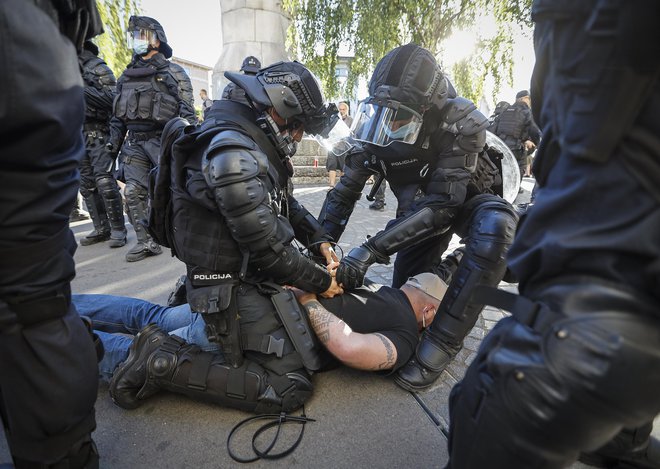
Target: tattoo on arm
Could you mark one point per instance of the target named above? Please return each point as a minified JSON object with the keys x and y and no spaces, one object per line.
{"x":389,"y":349}
{"x":321,"y":319}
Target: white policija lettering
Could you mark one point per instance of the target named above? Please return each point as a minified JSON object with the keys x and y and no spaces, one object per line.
{"x":211,"y":276}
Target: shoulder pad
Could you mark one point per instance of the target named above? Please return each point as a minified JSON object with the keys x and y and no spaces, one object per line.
{"x":104,"y":73}
{"x":461,"y":117}
{"x":456,"y":109}
{"x":231,"y":138}
{"x":179,"y":73}
{"x":223,"y":165}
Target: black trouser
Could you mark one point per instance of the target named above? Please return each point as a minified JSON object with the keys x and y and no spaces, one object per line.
{"x":140,"y":154}
{"x":97,"y":161}
{"x":48,"y":372}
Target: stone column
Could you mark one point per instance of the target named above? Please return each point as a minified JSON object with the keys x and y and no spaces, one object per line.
{"x":249,"y":27}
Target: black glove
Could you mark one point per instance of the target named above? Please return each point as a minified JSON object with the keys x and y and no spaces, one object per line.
{"x":354,"y":266}
{"x":112,"y":149}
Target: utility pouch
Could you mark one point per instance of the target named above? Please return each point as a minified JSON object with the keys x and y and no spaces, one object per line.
{"x":217,"y":305}
{"x":297,"y":327}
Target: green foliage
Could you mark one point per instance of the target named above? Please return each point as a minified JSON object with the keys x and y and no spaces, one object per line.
{"x":371,"y":28}
{"x":112,"y":44}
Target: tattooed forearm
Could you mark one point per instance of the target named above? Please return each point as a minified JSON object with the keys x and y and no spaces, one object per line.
{"x":389,"y":349}
{"x":321,"y":320}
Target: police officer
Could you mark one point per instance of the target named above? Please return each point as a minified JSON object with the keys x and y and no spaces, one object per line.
{"x":151,"y":91}
{"x":48,"y":370}
{"x":575,"y":369}
{"x":250,"y":66}
{"x":233,"y":223}
{"x":428,"y":143}
{"x":516,"y":127}
{"x":98,"y":185}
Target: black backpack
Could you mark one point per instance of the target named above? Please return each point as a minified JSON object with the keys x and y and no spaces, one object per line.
{"x":161,"y":179}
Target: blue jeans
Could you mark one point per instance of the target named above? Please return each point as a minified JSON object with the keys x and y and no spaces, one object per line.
{"x":116,"y":319}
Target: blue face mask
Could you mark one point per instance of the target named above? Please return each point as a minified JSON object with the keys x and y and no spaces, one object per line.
{"x":401,"y":132}
{"x":140,"y":46}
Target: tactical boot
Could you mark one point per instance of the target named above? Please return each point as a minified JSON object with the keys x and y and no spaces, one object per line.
{"x":129,"y":381}
{"x":426,"y":367}
{"x":94,"y":237}
{"x":101,"y":230}
{"x":142,"y":250}
{"x":377,"y":205}
{"x":107,"y":186}
{"x":645,"y":457}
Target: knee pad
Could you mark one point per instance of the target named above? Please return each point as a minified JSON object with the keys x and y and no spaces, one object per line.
{"x":106,"y":183}
{"x":134,"y":193}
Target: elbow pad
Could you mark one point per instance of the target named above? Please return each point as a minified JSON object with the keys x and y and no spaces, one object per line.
{"x":290,"y":267}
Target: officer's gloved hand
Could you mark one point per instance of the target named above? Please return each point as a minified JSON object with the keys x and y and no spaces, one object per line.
{"x":354,"y":266}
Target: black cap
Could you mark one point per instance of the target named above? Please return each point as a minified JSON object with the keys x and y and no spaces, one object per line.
{"x":250,"y":65}
{"x":522,"y":94}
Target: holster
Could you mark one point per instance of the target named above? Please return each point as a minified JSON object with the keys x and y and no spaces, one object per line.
{"x":217,"y":305}
{"x":297,"y":326}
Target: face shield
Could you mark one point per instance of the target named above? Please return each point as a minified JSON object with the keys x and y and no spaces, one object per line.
{"x":140,"y":39}
{"x":337,"y":141}
{"x":382,"y":125}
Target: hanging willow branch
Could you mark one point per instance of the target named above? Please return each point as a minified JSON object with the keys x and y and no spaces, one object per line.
{"x":370,"y":28}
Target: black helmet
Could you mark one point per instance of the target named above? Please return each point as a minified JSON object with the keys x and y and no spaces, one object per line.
{"x":406,"y":83}
{"x":410,"y":75}
{"x":293,"y":91}
{"x":144,"y":23}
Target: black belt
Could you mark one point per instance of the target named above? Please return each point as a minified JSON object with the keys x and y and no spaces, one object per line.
{"x":535,"y":315}
{"x":143,"y":136}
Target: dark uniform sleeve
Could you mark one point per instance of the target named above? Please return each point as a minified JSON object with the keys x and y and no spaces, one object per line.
{"x":236,"y":170}
{"x":101,"y":92}
{"x":340,"y":201}
{"x":185,"y":93}
{"x":307,"y":228}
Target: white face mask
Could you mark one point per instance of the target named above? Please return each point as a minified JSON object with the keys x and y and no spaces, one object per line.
{"x":140,"y":46}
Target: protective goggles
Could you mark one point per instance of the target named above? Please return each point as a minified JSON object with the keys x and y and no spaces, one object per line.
{"x":383,"y":123}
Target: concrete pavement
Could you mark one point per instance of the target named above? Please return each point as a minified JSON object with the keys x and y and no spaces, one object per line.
{"x":362,"y":419}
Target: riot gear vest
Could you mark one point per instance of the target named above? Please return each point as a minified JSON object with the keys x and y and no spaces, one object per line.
{"x":201,"y":237}
{"x":145,"y":98}
{"x":511,"y":125}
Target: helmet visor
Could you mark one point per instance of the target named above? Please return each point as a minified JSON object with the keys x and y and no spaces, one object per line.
{"x":140,"y":39}
{"x":337,"y":140}
{"x":382,"y":125}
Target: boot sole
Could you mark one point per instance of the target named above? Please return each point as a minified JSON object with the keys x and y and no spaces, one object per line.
{"x":133,"y":355}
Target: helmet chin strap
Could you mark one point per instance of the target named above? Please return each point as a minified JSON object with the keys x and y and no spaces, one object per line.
{"x":283,"y":142}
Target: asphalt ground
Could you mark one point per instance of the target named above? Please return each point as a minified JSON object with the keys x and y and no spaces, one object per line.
{"x":361,"y":419}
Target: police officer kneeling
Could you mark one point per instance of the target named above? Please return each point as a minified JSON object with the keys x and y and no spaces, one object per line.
{"x":232,"y":223}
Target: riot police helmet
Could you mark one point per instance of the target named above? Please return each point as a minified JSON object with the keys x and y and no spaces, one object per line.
{"x":143,"y":34}
{"x":294,"y":93}
{"x":406,"y":83}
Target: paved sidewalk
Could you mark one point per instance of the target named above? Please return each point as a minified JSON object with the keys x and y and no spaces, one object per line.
{"x":362,"y":419}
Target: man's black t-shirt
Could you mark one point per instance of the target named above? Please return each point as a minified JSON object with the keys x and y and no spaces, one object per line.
{"x":377,"y":308}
